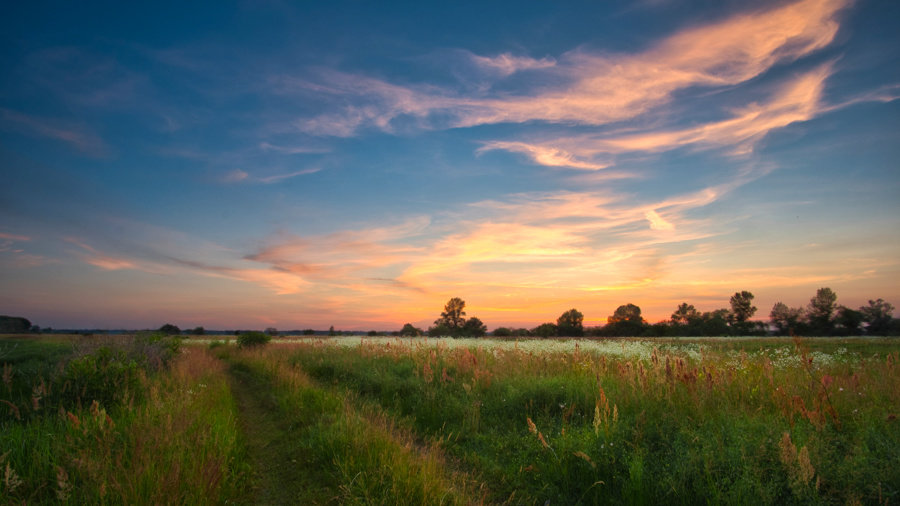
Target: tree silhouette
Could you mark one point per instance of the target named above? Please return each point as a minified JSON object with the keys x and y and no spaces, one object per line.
{"x":454,"y":314}
{"x":786,"y":319}
{"x":742,"y":307}
{"x":820,"y":311}
{"x":409,"y":331}
{"x":685,"y":314}
{"x":878,"y":316}
{"x":570,"y":323}
{"x":474,"y":327}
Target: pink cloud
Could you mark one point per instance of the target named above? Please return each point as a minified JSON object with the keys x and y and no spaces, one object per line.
{"x":77,"y":136}
{"x":599,"y":88}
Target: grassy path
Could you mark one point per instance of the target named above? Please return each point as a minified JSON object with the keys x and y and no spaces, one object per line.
{"x":310,"y":444}
{"x":282,"y":470}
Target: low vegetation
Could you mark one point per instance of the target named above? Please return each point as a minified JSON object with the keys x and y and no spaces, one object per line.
{"x":353,"y":420}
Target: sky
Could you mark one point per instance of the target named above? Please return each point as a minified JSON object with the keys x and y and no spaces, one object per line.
{"x":357,"y":164}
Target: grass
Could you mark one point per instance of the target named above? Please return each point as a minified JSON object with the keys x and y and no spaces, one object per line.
{"x":689,"y":425}
{"x":435,"y":421}
{"x":176,"y":442}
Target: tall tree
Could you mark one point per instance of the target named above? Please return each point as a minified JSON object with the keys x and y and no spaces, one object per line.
{"x":626,"y":313}
{"x":786,"y":319}
{"x":684,"y":314}
{"x":821,"y":311}
{"x":14,"y":325}
{"x":849,"y":321}
{"x":454,"y":315}
{"x":878,"y":316}
{"x":409,"y":330}
{"x":742,"y":307}
{"x":474,"y":327}
{"x":570,"y":323}
{"x":625,"y":321}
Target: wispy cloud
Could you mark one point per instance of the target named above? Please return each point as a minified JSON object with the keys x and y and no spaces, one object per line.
{"x":292,"y":150}
{"x":543,"y":155}
{"x":240,"y":176}
{"x":14,"y":237}
{"x":77,"y":136}
{"x":507,"y":64}
{"x":101,"y":260}
{"x":600,"y":88}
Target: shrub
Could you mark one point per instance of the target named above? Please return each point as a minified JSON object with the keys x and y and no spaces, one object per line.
{"x":253,"y":338}
{"x":170,"y":329}
{"x":107,"y":376}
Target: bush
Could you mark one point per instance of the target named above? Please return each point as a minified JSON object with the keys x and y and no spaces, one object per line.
{"x":107,"y":376}
{"x":253,"y":338}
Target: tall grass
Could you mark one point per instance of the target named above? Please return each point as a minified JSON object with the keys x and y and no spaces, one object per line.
{"x":709,"y":426}
{"x":176,"y":442}
{"x":362,"y":454}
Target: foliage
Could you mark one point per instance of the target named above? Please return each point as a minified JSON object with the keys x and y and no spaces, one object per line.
{"x":453,"y":322}
{"x":409,"y":330}
{"x":742,"y":307}
{"x":253,"y":338}
{"x":198,"y":331}
{"x":786,"y":319}
{"x":309,"y":332}
{"x":474,"y":327}
{"x":179,"y":446}
{"x":502,"y":332}
{"x":170,"y":329}
{"x":454,"y":314}
{"x":668,"y":425}
{"x":878,"y":316}
{"x":685,"y":314}
{"x":570,"y":323}
{"x":272,"y":331}
{"x":820,"y":311}
{"x":545,"y":330}
{"x":14,"y":325}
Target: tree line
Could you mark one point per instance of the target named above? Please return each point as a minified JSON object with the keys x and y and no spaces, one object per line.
{"x":823,"y":316}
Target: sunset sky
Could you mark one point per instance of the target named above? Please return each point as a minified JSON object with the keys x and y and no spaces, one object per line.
{"x":256,"y":164}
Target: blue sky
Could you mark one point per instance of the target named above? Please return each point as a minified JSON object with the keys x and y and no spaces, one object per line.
{"x":275,"y":164}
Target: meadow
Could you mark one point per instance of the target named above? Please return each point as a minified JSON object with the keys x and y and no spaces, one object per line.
{"x":351,"y":420}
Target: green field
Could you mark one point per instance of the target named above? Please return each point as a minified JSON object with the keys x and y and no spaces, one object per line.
{"x":456,"y":421}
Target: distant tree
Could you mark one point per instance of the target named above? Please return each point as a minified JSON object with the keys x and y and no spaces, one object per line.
{"x":715,"y":323}
{"x":849,"y":321}
{"x":742,"y":307}
{"x":453,"y":321}
{"x":502,"y":332}
{"x":372,"y":333}
{"x":198,"y":331}
{"x":252,"y":339}
{"x":878,"y":316}
{"x":454,"y":314}
{"x":685,"y":314}
{"x":409,"y":330}
{"x":14,"y":325}
{"x":309,"y":332}
{"x":545,"y":330}
{"x":170,"y":329}
{"x":786,"y":319}
{"x":442,"y":331}
{"x":626,"y":313}
{"x":821,"y":310}
{"x":474,"y":327}
{"x":570,"y":323}
{"x":625,"y":321}
{"x":331,"y":331}
{"x":272,"y":331}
